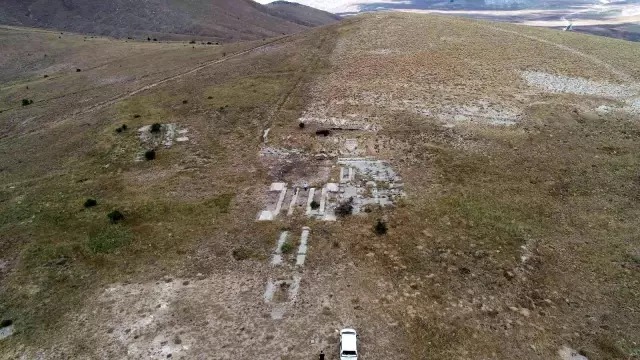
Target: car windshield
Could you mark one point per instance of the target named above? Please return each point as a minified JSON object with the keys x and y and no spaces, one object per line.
{"x":348,"y":353}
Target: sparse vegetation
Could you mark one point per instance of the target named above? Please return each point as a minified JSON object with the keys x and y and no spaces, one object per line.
{"x":286,"y":248}
{"x":90,"y":202}
{"x":345,"y":208}
{"x":109,"y":240}
{"x":115,"y":216}
{"x":244,"y":253}
{"x":150,"y":154}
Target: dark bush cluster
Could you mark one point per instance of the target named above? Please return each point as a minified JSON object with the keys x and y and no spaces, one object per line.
{"x":156,"y":127}
{"x":315,"y":205}
{"x":345,"y":208}
{"x":90,"y":202}
{"x":380,"y":228}
{"x":323,"y":132}
{"x":122,"y":128}
{"x":115,"y":216}
{"x":26,"y":102}
{"x":78,"y":70}
{"x":150,"y":154}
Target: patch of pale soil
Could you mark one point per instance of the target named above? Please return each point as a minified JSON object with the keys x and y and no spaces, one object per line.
{"x":567,"y":353}
{"x":479,"y":112}
{"x":579,"y":86}
{"x":225,"y":316}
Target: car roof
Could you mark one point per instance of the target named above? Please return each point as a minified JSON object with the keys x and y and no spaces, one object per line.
{"x":349,"y":340}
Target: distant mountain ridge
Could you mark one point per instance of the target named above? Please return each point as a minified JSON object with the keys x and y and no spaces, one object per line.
{"x":220,"y":20}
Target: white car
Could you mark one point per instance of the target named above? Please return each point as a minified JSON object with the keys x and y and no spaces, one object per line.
{"x":348,"y":344}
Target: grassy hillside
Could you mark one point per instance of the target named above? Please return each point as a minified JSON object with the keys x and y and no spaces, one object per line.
{"x":217,"y":20}
{"x":517,"y":237}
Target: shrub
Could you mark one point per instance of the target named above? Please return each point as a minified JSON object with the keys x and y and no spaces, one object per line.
{"x":208,"y":42}
{"x":209,"y":97}
{"x":124,"y":127}
{"x":5,"y":323}
{"x":156,"y":127}
{"x":119,"y":130}
{"x":150,"y":154}
{"x":148,"y":39}
{"x":78,"y":70}
{"x":315,"y":205}
{"x":115,"y":216}
{"x":185,"y":101}
{"x":192,"y":42}
{"x":380,"y":228}
{"x":345,"y":208}
{"x":155,"y":39}
{"x":26,"y":102}
{"x":286,"y":248}
{"x":136,"y":116}
{"x":90,"y":203}
{"x":301,"y":125}
{"x":46,"y":76}
{"x":323,"y":132}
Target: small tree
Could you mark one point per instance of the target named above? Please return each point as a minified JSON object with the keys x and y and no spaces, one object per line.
{"x":90,"y":203}
{"x":115,"y":216}
{"x":301,"y":125}
{"x":380,"y":228}
{"x":150,"y":155}
{"x":156,"y":127}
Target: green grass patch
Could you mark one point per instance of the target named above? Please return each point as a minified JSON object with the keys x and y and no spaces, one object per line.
{"x":110,"y":239}
{"x":249,"y":92}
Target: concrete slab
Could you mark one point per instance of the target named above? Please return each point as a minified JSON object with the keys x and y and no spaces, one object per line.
{"x":333,"y":187}
{"x":182,"y":139}
{"x":283,"y":193}
{"x":323,"y":200}
{"x":265,"y":215}
{"x":277,"y":186}
{"x":312,"y":192}
{"x":302,"y":249}
{"x":292,"y":204}
{"x":276,"y":259}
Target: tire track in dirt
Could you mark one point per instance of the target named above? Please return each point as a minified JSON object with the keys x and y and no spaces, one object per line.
{"x":620,"y":74}
{"x":207,"y":64}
